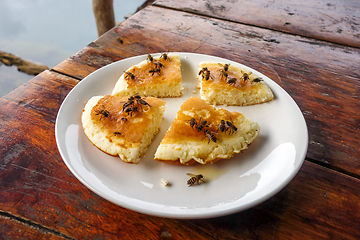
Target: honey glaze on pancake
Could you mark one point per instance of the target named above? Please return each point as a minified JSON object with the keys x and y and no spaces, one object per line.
{"x":169,"y":71}
{"x":120,"y":127}
{"x":217,"y":79}
{"x":197,"y":108}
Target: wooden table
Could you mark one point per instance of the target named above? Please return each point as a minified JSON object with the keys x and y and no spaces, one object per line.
{"x":310,"y":48}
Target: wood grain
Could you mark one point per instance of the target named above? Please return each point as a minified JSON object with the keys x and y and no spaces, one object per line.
{"x":38,"y":188}
{"x":323,"y":78}
{"x":335,"y":21}
{"x":15,"y":228}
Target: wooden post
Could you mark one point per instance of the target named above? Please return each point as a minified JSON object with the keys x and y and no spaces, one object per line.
{"x":104,"y":15}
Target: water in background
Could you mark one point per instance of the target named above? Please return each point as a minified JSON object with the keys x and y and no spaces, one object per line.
{"x":48,"y":32}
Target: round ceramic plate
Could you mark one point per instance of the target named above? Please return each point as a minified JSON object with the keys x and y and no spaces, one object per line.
{"x":232,"y":185}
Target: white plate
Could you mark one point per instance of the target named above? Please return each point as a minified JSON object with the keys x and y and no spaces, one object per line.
{"x":232,"y":185}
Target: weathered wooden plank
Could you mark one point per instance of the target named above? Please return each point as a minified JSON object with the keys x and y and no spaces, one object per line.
{"x":37,"y":186}
{"x":335,"y":21}
{"x":43,"y":191}
{"x":13,"y":227}
{"x":27,"y":95}
{"x":323,"y":78}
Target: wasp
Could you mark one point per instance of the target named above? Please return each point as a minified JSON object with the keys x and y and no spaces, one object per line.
{"x":231,"y":127}
{"x":192,"y":123}
{"x":155,"y":70}
{"x":210,"y":135}
{"x":158,"y":65}
{"x":141,"y":102}
{"x":128,"y":103}
{"x":256,"y":80}
{"x":195,"y":179}
{"x":224,"y":74}
{"x":131,"y":110}
{"x":205,"y":73}
{"x":164,"y":56}
{"x":201,"y":125}
{"x":224,"y":70}
{"x":129,"y":75}
{"x":231,"y":81}
{"x":246,"y":76}
{"x":150,"y":58}
{"x":222,"y":126}
{"x":103,"y":112}
{"x":117,"y":133}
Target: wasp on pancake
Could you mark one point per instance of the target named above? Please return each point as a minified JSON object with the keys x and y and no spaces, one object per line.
{"x":117,"y":133}
{"x":222,"y":126}
{"x":246,"y":76}
{"x":205,"y":73}
{"x":224,"y":70}
{"x":129,"y":76}
{"x":225,"y":126}
{"x":150,"y":58}
{"x":231,"y":81}
{"x":129,"y":103}
{"x":195,"y":179}
{"x":165,"y":56}
{"x":224,"y":74}
{"x":103,"y":112}
{"x":155,"y":70}
{"x":256,"y":80}
{"x":201,"y":125}
{"x":230,"y":126}
{"x":192,"y":122}
{"x":131,"y":110}
{"x":158,"y":65}
{"x":198,"y":125}
{"x":210,"y":135}
{"x":141,"y":102}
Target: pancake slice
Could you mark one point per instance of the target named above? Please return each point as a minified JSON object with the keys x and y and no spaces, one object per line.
{"x":123,"y":126}
{"x":226,"y":84}
{"x":155,"y":76}
{"x":205,"y":134}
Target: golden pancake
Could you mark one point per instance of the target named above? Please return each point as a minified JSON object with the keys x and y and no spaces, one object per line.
{"x":231,"y":85}
{"x":123,"y":126}
{"x":155,"y":76}
{"x":205,"y":134}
